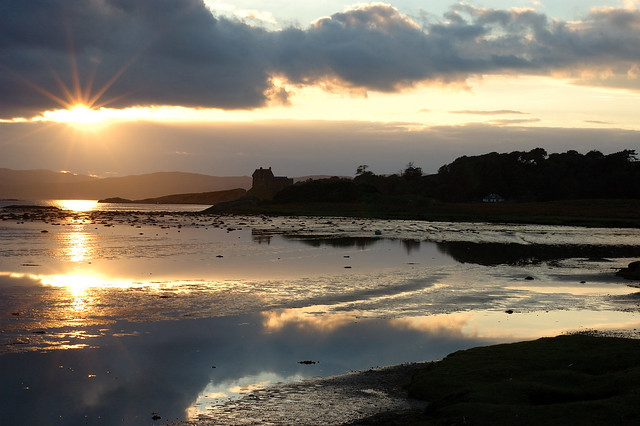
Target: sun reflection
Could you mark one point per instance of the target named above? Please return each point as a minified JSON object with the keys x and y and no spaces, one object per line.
{"x":79,"y":304}
{"x":77,"y":284}
{"x":77,"y":205}
{"x":78,"y":249}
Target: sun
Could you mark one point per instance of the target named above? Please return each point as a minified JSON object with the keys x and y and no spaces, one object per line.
{"x":82,"y":115}
{"x":79,"y":115}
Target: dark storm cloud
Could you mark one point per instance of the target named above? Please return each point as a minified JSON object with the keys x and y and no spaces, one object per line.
{"x":143,"y":52}
{"x":174,"y":52}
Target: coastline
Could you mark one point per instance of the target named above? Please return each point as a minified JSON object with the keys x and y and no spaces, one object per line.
{"x":462,"y":386}
{"x":344,"y":399}
{"x":621,"y":213}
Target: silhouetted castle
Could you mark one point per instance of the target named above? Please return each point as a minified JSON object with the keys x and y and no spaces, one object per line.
{"x":266,"y":185}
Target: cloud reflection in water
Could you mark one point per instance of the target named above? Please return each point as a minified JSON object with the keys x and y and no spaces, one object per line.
{"x":155,"y":308}
{"x":166,"y":367}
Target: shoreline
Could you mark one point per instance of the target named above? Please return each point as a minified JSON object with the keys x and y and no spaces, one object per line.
{"x":336,"y":400}
{"x":395,"y":395}
{"x":621,"y":213}
{"x":602,"y":213}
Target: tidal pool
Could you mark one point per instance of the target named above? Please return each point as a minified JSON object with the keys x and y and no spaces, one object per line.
{"x":114,"y":317}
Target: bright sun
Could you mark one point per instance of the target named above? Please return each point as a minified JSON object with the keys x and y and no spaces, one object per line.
{"x":78,"y":115}
{"x":82,"y":114}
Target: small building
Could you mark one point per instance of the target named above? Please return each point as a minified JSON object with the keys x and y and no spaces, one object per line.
{"x":493,"y":198}
{"x":266,"y":185}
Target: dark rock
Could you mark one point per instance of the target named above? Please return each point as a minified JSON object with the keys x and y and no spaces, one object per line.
{"x":529,"y":278}
{"x":30,"y":207}
{"x":631,"y":272}
{"x":509,"y":311}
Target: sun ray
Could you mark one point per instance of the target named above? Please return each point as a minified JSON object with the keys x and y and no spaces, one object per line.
{"x":98,"y":94}
{"x":37,"y":88}
{"x":81,"y":102}
{"x":89,"y":86}
{"x":78,"y":96}
{"x":65,"y":90}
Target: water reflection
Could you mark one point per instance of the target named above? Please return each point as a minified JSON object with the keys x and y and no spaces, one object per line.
{"x":167,"y":367}
{"x":261,"y":237}
{"x":313,"y":318}
{"x":180,"y":368}
{"x":491,"y":254}
{"x":75,"y":244}
{"x":151,"y":303}
{"x":336,"y":242}
{"x":411,"y":245}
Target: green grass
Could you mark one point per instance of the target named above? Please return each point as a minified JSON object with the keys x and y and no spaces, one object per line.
{"x":575,"y":379}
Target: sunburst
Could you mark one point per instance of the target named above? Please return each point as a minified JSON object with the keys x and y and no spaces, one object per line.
{"x":79,"y":103}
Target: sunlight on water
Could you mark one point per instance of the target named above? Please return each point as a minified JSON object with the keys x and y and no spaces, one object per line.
{"x":76,"y":245}
{"x":76,"y":284}
{"x":77,"y":205}
{"x":501,"y":326}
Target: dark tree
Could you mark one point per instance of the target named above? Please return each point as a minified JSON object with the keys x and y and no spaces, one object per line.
{"x":412,"y":172}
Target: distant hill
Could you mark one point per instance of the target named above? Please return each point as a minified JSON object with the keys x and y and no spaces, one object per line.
{"x":214,"y":197}
{"x":46,"y":184}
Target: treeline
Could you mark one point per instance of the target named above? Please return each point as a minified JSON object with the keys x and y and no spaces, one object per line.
{"x":514,"y":176}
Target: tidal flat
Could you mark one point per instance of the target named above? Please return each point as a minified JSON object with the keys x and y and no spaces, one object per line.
{"x":156,"y":316}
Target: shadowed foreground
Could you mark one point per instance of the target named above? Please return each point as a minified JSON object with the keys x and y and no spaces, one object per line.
{"x":573,"y":380}
{"x":576,"y":379}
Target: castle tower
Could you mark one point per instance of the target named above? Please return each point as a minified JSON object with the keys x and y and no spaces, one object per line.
{"x":266,"y":185}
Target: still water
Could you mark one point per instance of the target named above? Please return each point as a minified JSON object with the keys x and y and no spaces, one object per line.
{"x":111,"y":314}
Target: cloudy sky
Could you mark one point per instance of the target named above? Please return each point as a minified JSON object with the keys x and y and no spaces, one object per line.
{"x":117,"y":87}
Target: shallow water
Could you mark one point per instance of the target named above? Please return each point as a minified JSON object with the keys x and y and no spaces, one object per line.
{"x":108,"y":317}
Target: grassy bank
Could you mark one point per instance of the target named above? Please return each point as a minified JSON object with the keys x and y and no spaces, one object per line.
{"x":594,"y":213}
{"x":576,"y":379}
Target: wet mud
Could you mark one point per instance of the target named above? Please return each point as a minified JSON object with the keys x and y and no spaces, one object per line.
{"x":320,"y":401}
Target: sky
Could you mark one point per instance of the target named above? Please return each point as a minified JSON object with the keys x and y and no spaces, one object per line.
{"x":121,"y":87}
